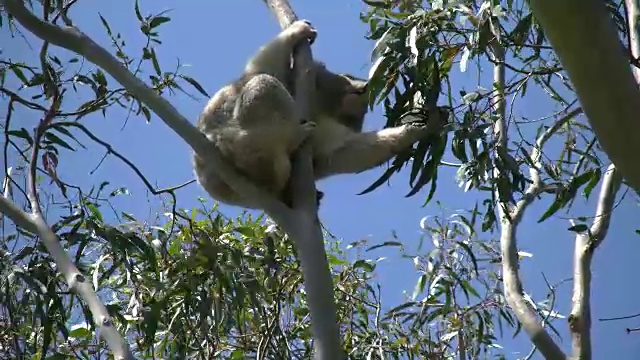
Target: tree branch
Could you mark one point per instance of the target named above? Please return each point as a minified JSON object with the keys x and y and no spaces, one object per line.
{"x":303,"y":225}
{"x":73,"y":39}
{"x":508,"y":244}
{"x":75,"y":280}
{"x":37,"y":225}
{"x":6,"y":185}
{"x":587,"y":44}
{"x":585,"y":246}
{"x":587,"y":243}
{"x":537,"y":186}
{"x":303,"y":188}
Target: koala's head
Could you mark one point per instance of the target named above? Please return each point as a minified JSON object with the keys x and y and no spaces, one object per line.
{"x":342,"y":97}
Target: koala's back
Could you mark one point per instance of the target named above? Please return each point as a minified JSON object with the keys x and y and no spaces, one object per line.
{"x":214,"y":119}
{"x":252,"y":123}
{"x":219,"y":110}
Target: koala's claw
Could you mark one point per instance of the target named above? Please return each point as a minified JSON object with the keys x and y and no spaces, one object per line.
{"x":308,"y":126}
{"x":302,"y":29}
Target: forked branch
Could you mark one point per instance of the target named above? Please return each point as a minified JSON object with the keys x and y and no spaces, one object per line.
{"x":510,"y":217}
{"x":585,"y":247}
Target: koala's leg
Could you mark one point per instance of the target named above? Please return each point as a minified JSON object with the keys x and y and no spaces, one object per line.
{"x":266,"y":106}
{"x":362,"y":151}
{"x":270,"y":132}
{"x":274,"y":58}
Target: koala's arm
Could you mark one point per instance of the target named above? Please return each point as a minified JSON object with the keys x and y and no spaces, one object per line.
{"x":358,"y":152}
{"x":274,"y":58}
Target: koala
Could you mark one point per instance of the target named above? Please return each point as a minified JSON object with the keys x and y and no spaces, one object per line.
{"x":254,"y":124}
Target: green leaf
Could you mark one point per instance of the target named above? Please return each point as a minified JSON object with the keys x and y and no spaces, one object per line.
{"x":56,"y":140}
{"x":365,"y":265}
{"x":119,"y":191}
{"x":426,"y":175}
{"x":458,"y":149}
{"x":95,"y":212}
{"x":468,"y":288}
{"x":469,"y":252}
{"x":158,"y":20}
{"x":147,"y":114}
{"x":381,"y":85}
{"x":384,"y":244}
{"x":448,"y":56}
{"x":154,"y":61}
{"x":137,"y":9}
{"x":246,"y":231}
{"x":394,"y":311}
{"x":22,"y":133}
{"x":381,"y":44}
{"x":387,"y":174}
{"x":489,"y":219}
{"x":195,"y":84}
{"x":593,"y":181}
{"x":437,"y":144}
{"x":62,"y":130}
{"x":106,"y":24}
{"x":36,"y":285}
{"x":555,"y":206}
{"x":153,"y":317}
{"x":579,"y":228}
{"x":419,"y":288}
{"x":521,"y":30}
{"x":582,"y":179}
{"x":99,"y":78}
{"x":16,"y":70}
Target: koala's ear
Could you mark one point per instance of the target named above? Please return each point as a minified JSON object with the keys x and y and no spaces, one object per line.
{"x":355,"y":85}
{"x":360,"y":86}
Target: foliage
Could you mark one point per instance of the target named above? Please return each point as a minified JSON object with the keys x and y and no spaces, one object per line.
{"x":211,"y":288}
{"x":417,"y":50}
{"x":511,"y":165}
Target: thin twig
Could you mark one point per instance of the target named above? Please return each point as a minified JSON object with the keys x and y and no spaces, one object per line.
{"x":537,"y":185}
{"x":110,"y":150}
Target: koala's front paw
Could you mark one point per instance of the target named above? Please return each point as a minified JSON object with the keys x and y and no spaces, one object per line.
{"x":437,"y":118}
{"x":302,"y":29}
{"x":413,"y":120}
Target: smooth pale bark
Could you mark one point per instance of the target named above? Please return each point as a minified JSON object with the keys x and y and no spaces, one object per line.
{"x":586,"y":41}
{"x":302,"y":222}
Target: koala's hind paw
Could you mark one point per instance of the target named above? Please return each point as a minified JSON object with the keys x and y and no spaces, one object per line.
{"x":302,"y":29}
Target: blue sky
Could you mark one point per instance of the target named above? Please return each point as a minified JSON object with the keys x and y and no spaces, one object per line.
{"x":216,"y":38}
